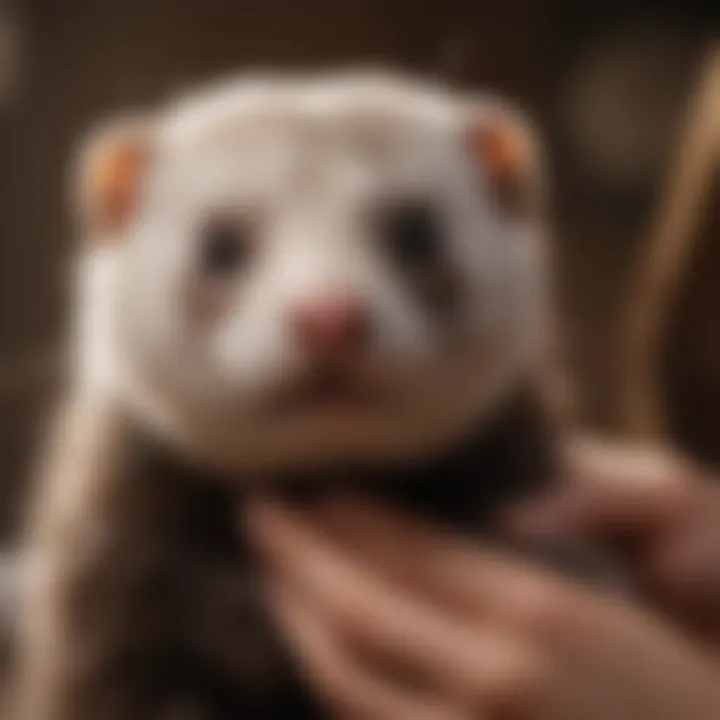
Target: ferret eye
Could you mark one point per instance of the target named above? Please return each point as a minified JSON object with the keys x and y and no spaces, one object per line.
{"x":225,"y":246}
{"x":412,"y":233}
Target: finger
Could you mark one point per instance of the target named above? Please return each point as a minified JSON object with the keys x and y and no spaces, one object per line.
{"x":412,"y":552}
{"x":684,"y":569}
{"x":445,"y":657}
{"x":692,"y":565}
{"x":610,"y":489}
{"x":460,"y":659}
{"x":483,"y":583}
{"x":348,"y":688}
{"x":606,"y":644}
{"x":559,"y":620}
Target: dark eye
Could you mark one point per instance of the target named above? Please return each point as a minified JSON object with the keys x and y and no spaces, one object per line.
{"x":225,"y":246}
{"x":412,"y":233}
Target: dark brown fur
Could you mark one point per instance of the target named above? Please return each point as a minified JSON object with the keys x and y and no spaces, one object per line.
{"x":163,"y":613}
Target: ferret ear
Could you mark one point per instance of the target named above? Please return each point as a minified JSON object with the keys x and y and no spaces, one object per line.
{"x":506,"y":149}
{"x":112,"y":165}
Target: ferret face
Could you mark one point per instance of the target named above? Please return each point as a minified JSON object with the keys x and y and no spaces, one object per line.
{"x":314,"y":271}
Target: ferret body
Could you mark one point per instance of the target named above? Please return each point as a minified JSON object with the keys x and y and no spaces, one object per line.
{"x":305,"y":283}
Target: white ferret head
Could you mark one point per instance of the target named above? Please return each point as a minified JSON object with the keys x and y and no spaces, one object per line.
{"x":289,"y":270}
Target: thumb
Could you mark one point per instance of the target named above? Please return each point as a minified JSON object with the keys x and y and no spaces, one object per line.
{"x":609,"y":489}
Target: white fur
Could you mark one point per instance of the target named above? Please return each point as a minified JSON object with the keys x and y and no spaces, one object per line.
{"x":288,"y":147}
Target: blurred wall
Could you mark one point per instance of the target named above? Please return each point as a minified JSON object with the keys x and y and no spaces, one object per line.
{"x":607,"y":83}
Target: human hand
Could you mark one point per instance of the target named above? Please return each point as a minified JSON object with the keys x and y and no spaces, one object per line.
{"x":661,"y":511}
{"x":391,"y":619}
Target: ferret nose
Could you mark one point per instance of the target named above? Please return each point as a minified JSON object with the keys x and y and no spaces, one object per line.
{"x":331,"y":327}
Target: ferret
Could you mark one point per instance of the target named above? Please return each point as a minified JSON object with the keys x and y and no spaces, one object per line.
{"x":309,"y":283}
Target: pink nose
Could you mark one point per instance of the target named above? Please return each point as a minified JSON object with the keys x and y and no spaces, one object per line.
{"x":332,"y":326}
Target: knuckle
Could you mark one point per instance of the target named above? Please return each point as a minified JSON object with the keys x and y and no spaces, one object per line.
{"x":348,"y":614}
{"x":520,"y":682}
{"x":334,"y":678}
{"x":547,"y":609}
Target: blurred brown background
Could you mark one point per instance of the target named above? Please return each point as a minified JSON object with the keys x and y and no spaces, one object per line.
{"x":611,"y":85}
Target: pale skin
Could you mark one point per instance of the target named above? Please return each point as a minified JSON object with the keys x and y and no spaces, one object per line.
{"x":391,"y":619}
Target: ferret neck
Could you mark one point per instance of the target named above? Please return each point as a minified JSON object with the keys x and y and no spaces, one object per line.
{"x":512,"y":456}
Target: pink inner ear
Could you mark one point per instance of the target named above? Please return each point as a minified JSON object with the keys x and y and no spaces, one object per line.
{"x":503,"y":152}
{"x":114,"y":182}
{"x":502,"y":147}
